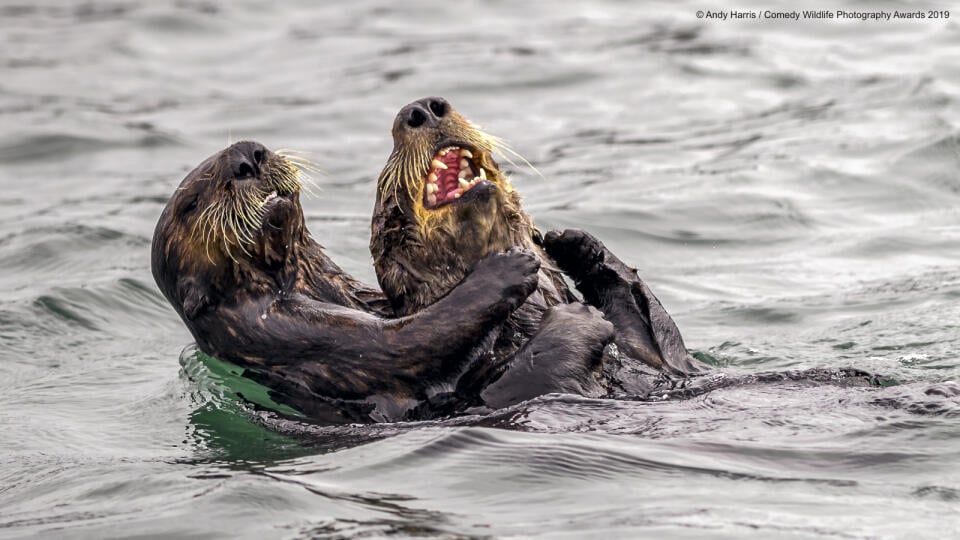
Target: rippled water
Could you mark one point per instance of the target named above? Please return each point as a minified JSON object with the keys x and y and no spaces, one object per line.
{"x":790,"y":190}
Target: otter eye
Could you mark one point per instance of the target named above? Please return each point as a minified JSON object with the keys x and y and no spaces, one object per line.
{"x":191,"y":205}
{"x":439,"y":108}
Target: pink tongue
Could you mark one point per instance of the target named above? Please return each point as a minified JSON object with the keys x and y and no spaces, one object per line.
{"x":447,"y":179}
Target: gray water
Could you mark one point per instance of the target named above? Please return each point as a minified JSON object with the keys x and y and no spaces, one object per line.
{"x":789,"y":190}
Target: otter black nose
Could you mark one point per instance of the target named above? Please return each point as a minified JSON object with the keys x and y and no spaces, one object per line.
{"x":246,"y":158}
{"x":425,"y":112}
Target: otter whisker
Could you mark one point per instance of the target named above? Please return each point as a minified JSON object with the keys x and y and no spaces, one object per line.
{"x":388,"y":177}
{"x":221,"y":218}
{"x":290,"y":152}
{"x":390,"y":180}
{"x":292,"y":155}
{"x":205,"y":222}
{"x":502,"y":149}
{"x":291,"y":177}
{"x":306,"y":167}
{"x":299,"y":179}
{"x":311,"y":189}
{"x":237,"y":233}
{"x":206,"y":238}
{"x":245,"y":217}
{"x":299,"y":159}
{"x":248,"y":211}
{"x":414,"y":172}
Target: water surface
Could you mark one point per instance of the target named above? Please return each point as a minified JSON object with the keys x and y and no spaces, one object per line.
{"x":789,"y":190}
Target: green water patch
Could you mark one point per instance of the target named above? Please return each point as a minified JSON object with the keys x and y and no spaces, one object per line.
{"x":224,"y":420}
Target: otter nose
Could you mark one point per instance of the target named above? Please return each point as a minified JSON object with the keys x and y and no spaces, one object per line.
{"x":246,"y":158}
{"x":424,"y":112}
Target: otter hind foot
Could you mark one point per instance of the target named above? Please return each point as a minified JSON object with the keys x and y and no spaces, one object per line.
{"x":645,"y":331}
{"x":578,"y":253}
{"x":564,"y":356}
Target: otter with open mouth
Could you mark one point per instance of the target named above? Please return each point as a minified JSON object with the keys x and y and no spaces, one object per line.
{"x":233,"y":256}
{"x":443,"y":204}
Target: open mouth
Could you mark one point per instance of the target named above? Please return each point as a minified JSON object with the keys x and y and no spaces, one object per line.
{"x":453,"y":172}
{"x":282,"y":188}
{"x":274,"y":195}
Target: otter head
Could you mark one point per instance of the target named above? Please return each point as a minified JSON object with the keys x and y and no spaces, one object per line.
{"x":442,"y":203}
{"x":233,"y":223}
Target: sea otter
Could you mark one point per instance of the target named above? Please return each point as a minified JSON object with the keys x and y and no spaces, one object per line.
{"x":232,"y":255}
{"x":443,"y":204}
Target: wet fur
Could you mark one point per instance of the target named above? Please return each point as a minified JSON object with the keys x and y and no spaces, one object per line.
{"x":419,"y":253}
{"x":646,"y":331}
{"x":266,"y":297}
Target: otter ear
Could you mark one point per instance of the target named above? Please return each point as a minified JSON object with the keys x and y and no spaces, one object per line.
{"x":192,"y":297}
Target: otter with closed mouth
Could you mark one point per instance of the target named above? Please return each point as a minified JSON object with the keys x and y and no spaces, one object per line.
{"x":443,"y":204}
{"x":233,"y":256}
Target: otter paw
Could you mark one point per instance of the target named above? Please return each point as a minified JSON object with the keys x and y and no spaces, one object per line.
{"x":513,"y":272}
{"x":578,"y":253}
{"x":588,"y":321}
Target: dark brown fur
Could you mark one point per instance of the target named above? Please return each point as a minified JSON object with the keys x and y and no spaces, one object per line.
{"x":255,"y":289}
{"x":420,"y":252}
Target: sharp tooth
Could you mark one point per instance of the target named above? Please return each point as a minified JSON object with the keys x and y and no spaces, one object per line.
{"x":483,"y":174}
{"x":432,"y":188}
{"x":456,"y":194}
{"x":464,"y":164}
{"x":431,"y":178}
{"x":443,"y":152}
{"x":431,"y":199}
{"x":464,"y":185}
{"x":463,"y":173}
{"x":465,"y":153}
{"x":437,"y":164}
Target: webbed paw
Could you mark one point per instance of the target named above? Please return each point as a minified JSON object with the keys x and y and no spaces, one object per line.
{"x":576,"y":252}
{"x":513,"y":273}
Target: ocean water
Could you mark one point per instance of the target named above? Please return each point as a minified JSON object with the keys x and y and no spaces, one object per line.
{"x":790,"y":190}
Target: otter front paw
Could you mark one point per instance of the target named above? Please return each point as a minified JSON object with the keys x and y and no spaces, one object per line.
{"x":576,"y":252}
{"x":513,"y":273}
